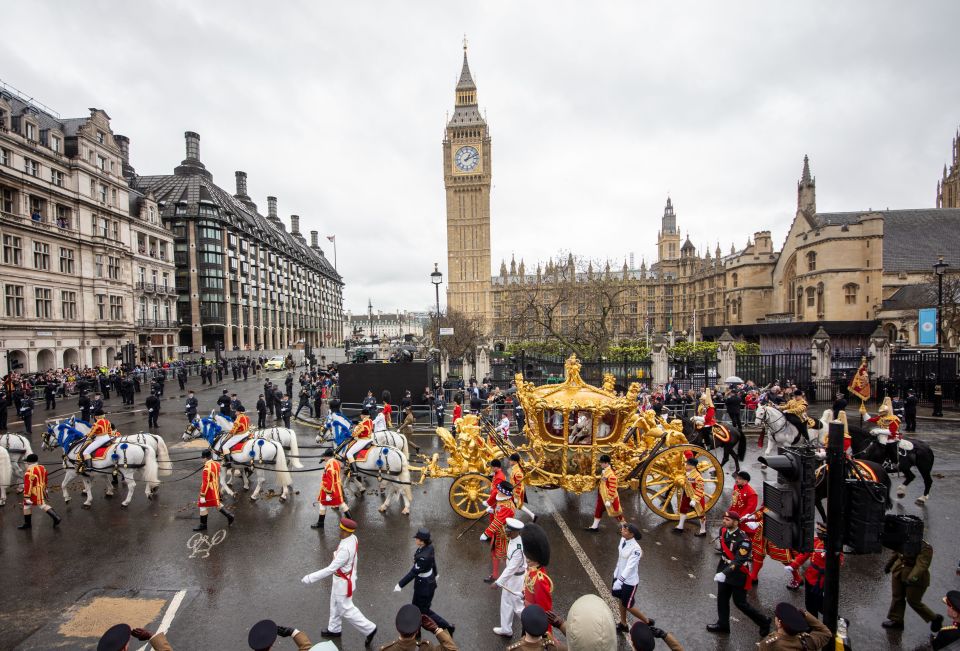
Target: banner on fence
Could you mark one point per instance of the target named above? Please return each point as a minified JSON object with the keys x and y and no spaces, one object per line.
{"x":928,"y":326}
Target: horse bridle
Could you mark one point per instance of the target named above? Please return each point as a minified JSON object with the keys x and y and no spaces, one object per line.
{"x":768,"y":421}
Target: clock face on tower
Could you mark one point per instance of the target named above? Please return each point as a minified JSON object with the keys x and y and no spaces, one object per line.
{"x":466,"y":158}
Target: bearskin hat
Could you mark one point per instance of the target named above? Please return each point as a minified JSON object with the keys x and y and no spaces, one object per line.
{"x":536,"y":545}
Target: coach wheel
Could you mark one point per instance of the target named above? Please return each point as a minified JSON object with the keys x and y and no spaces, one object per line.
{"x":663,"y":477}
{"x":468,"y":495}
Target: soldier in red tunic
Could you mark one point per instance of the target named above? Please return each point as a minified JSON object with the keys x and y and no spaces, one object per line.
{"x":745,"y":498}
{"x":815,"y":574}
{"x":35,"y":492}
{"x":607,"y":496}
{"x":331,"y":489}
{"x":496,"y":532}
{"x":537,"y":584}
{"x":210,"y":492}
{"x":693,"y":496}
{"x":498,"y":477}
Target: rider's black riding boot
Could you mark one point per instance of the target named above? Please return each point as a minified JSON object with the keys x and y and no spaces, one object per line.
{"x":229,"y":516}
{"x":56,"y":518}
{"x":26,"y":522}
{"x":203,"y":524}
{"x":893,"y":455}
{"x":319,"y":524}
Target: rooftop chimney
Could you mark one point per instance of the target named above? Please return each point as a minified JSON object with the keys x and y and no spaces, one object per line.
{"x":272,"y":208}
{"x":124,"y":143}
{"x":313,"y":239}
{"x":295,"y":224}
{"x":193,"y":145}
{"x":191,"y":164}
{"x":241,"y":183}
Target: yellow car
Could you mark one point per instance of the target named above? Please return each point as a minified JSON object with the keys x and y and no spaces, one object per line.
{"x":275,"y":364}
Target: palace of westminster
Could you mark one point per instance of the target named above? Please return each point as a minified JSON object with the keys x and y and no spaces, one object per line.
{"x":850,"y":272}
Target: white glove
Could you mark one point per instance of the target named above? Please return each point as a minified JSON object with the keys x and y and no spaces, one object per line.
{"x":483,"y":537}
{"x":788,"y":570}
{"x":396,"y":588}
{"x":489,"y":509}
{"x":306,"y":580}
{"x":617,"y":585}
{"x":607,"y":504}
{"x":720,"y":577}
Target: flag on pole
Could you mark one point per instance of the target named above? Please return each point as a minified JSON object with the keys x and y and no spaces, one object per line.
{"x":860,"y":383}
{"x":331,"y":238}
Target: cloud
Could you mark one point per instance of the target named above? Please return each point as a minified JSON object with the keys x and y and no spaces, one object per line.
{"x":596,"y":113}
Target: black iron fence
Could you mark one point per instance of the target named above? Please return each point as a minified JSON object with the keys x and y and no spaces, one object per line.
{"x":919,"y":371}
{"x":775,"y":367}
{"x":694,"y":371}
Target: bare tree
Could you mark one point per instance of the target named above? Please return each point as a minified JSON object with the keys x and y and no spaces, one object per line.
{"x":571,"y":302}
{"x":951,"y":304}
{"x":466,"y":338}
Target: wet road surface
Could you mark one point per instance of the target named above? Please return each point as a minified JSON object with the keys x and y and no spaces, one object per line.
{"x":64,"y":586}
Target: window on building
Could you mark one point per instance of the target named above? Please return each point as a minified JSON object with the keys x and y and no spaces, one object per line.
{"x":14,"y":300}
{"x":811,"y":261}
{"x":116,"y":308}
{"x":113,"y":267}
{"x":66,"y":261}
{"x":811,"y":297}
{"x":6,"y":158}
{"x":101,"y":307}
{"x":41,"y":256}
{"x":30,"y":131}
{"x":850,"y":293}
{"x":56,"y":177}
{"x":43,"y":301}
{"x":56,"y":144}
{"x":166,"y":280}
{"x":98,"y":265}
{"x":68,"y":305}
{"x":735,"y":280}
{"x":64,"y":216}
{"x":103,"y":193}
{"x":31,"y":166}
{"x":101,"y":137}
{"x":8,"y":200}
{"x":101,"y":163}
{"x":12,"y":250}
{"x":115,"y":229}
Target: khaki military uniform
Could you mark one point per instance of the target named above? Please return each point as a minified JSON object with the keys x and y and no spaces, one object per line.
{"x":443,"y":637}
{"x":816,"y":638}
{"x":544,"y":644}
{"x":910,"y":578}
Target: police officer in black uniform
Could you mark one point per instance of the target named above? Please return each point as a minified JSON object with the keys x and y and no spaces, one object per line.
{"x":261,"y":412}
{"x":733,"y":573}
{"x":190,"y":408}
{"x":285,"y":409}
{"x":224,"y":402}
{"x":153,"y":410}
{"x":424,"y":577}
{"x":84,"y":404}
{"x":182,"y":377}
{"x":96,"y":406}
{"x":4,"y":405}
{"x":26,"y":413}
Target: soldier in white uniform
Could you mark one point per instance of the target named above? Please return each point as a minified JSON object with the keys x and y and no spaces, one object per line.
{"x":344,"y":571}
{"x":626,"y":577}
{"x":511,"y":579}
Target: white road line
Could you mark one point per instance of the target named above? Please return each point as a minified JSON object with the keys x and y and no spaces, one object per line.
{"x":168,"y":616}
{"x":588,"y":565}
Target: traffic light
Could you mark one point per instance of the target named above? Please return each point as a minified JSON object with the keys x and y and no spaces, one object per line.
{"x":789,"y":505}
{"x":864,"y":505}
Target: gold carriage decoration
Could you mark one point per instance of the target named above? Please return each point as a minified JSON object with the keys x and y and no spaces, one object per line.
{"x":568,"y":427}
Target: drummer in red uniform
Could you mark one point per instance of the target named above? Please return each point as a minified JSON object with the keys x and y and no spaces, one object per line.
{"x":537,"y":584}
{"x":35,"y":492}
{"x":210,"y":491}
{"x":331,"y":489}
{"x":496,"y":532}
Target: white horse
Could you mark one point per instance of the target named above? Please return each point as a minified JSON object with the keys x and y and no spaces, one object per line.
{"x":285,"y":437}
{"x":776,"y":427}
{"x":392,"y":470}
{"x":6,"y":473}
{"x":820,"y":435}
{"x":153,"y":441}
{"x":17,"y":446}
{"x":126,"y":459}
{"x":253,"y":455}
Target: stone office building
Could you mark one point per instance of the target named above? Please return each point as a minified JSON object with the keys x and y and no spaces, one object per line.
{"x":243,"y":281}
{"x":69,"y":241}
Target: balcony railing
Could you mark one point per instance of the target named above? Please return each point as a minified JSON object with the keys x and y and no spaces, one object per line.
{"x":158,"y":323}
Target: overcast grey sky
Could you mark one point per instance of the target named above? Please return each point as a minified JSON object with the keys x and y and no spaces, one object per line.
{"x":597,"y":111}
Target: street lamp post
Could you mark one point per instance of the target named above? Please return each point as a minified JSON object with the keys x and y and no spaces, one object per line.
{"x":939,"y":269}
{"x":436,"y":278}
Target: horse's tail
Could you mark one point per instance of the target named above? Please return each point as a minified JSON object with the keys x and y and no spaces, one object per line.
{"x":150,"y":467}
{"x":294,"y":450}
{"x":5,"y":468}
{"x":163,"y":457}
{"x":283,"y":473}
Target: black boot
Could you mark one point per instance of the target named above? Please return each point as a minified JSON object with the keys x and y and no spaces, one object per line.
{"x":203,"y":524}
{"x":26,"y":522}
{"x":347,"y":515}
{"x":56,"y":518}
{"x":229,"y":516}
{"x":319,"y":524}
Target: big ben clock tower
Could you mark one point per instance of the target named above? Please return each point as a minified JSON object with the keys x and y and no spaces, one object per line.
{"x":466,"y":177}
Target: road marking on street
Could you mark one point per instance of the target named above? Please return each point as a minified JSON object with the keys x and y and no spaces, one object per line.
{"x":200,"y":544}
{"x":168,"y":616}
{"x":588,"y":565}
